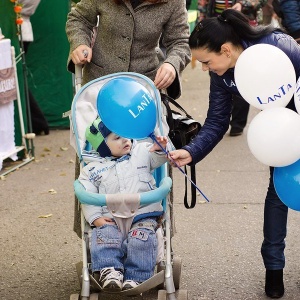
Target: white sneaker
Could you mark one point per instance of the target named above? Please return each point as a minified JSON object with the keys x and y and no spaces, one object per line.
{"x":111,"y":280}
{"x":129,"y":284}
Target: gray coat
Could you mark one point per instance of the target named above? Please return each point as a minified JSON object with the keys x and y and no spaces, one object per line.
{"x":126,"y":38}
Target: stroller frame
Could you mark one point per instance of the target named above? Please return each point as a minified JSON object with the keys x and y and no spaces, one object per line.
{"x":169,"y":269}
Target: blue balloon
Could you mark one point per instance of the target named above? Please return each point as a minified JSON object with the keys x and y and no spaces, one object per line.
{"x":127,"y":108}
{"x":287,"y":184}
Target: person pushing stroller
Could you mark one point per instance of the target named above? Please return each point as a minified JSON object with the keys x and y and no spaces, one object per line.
{"x":124,"y":166}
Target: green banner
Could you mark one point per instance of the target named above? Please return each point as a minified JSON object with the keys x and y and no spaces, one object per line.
{"x":46,"y":59}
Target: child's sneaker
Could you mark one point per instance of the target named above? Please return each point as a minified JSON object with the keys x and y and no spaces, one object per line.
{"x":111,"y":280}
{"x":129,"y":284}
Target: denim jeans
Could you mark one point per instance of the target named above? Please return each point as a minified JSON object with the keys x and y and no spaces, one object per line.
{"x":135,"y":257}
{"x":275,"y":221}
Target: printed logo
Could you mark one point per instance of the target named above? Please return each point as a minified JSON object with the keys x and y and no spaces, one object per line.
{"x":139,"y":234}
{"x":140,"y":108}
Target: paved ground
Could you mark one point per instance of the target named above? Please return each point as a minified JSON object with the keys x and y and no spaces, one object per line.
{"x":218,"y":241}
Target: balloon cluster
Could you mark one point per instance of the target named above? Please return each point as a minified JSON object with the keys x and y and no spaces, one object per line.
{"x":273,"y":134}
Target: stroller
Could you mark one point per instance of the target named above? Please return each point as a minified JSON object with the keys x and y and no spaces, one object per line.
{"x":168,"y":270}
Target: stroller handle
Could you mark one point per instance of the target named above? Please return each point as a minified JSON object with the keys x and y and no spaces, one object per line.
{"x":146,"y":198}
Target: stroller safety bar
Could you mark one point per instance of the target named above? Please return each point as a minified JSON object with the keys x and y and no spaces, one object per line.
{"x":145,"y":198}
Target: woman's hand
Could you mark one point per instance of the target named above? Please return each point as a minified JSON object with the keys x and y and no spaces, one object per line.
{"x":181,"y":157}
{"x":81,"y":55}
{"x":165,"y":76}
{"x":104,"y":220}
{"x":163,"y":140}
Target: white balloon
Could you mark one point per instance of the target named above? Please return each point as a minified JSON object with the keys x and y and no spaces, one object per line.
{"x":297,"y":96}
{"x":273,"y":136}
{"x":265,"y":76}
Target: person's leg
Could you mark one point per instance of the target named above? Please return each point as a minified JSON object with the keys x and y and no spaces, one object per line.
{"x":141,"y":249}
{"x":38,"y":120}
{"x":26,"y":45}
{"x":272,"y":250}
{"x":106,"y":248}
{"x":239,"y":115}
{"x":107,"y":256}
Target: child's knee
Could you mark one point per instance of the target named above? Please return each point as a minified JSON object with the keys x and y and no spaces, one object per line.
{"x":142,"y":239}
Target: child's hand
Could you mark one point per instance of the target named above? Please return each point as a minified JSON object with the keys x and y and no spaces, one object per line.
{"x":104,"y":220}
{"x":163,"y":140}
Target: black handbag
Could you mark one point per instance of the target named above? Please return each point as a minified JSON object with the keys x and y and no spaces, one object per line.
{"x":182,"y":129}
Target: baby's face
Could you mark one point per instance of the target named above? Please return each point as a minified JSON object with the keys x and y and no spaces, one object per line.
{"x":118,"y":146}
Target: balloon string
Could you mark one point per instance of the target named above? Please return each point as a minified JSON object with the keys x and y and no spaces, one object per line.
{"x":178,"y":167}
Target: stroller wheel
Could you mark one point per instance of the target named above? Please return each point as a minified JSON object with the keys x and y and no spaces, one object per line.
{"x":182,"y":295}
{"x":177,"y":262}
{"x":79,"y":266}
{"x":160,"y":268}
{"x":77,"y":297}
{"x":93,"y":296}
{"x":162,"y":295}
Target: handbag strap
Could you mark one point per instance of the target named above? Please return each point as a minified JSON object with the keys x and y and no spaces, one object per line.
{"x":165,"y":98}
{"x":169,"y":114}
{"x":193,"y":189}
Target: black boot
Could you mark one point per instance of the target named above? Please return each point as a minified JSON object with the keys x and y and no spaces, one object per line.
{"x":274,"y":287}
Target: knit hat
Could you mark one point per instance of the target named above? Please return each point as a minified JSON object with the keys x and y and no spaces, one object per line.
{"x":95,"y":134}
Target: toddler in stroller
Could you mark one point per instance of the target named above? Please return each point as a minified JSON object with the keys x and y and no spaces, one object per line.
{"x":126,"y":214}
{"x":124,"y":167}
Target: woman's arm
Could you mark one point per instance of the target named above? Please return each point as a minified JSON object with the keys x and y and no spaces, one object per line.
{"x":80,"y":26}
{"x":175,"y":38}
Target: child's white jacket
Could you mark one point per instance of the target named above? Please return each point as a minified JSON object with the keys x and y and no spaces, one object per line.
{"x":128,"y":174}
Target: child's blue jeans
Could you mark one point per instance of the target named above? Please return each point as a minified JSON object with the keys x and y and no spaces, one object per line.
{"x":135,"y":257}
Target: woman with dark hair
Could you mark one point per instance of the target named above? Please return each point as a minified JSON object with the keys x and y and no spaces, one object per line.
{"x":218,"y":53}
{"x":127,"y":37}
{"x":251,"y":9}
